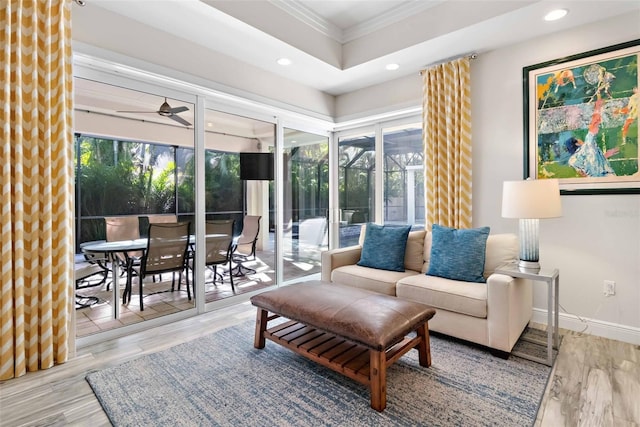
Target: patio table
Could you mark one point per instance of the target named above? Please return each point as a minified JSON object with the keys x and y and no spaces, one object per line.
{"x":110,"y":249}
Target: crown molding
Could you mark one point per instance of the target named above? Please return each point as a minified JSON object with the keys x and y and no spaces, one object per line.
{"x":309,"y":17}
{"x":326,"y":28}
{"x":393,"y":16}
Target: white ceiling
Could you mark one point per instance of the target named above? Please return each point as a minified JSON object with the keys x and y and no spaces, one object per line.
{"x":342,"y":46}
{"x":348,"y":14}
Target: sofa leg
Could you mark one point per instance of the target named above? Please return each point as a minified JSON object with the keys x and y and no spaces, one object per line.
{"x":499,"y":353}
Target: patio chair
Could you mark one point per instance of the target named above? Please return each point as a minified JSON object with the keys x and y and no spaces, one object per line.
{"x":124,"y":228}
{"x":244,"y":247}
{"x":167,"y":251}
{"x":97,"y":258}
{"x":219,"y":247}
{"x":161,"y":219}
{"x":85,"y":269}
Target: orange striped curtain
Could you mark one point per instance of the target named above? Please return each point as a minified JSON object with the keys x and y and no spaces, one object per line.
{"x":446,"y":133}
{"x":37,"y":184}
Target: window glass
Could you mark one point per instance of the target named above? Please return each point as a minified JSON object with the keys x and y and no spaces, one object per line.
{"x":356,"y":182}
{"x":403,"y":175}
{"x":306,"y":202}
{"x":131,"y":163}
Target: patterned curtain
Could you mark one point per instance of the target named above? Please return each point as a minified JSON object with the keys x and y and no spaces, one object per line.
{"x":446,"y":133}
{"x":37,"y":184}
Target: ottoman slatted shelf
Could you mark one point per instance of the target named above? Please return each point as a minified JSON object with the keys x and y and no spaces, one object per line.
{"x":355,"y":332}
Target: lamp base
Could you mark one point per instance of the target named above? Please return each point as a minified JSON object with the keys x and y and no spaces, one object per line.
{"x":531,"y":266}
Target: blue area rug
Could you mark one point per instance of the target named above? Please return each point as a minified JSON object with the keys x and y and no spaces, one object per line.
{"x":220,"y":379}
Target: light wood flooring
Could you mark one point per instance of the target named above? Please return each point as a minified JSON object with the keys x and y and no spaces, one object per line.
{"x":595,"y":382}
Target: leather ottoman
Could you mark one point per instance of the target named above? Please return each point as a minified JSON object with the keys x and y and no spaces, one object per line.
{"x":355,"y":332}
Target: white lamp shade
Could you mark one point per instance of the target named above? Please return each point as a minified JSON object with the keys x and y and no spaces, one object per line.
{"x":539,"y":198}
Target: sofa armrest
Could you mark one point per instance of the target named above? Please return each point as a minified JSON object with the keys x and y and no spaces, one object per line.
{"x":337,"y":258}
{"x":509,"y":309}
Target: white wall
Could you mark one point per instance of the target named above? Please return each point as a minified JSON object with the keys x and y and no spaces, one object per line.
{"x":598,"y":237}
{"x":394,"y":95}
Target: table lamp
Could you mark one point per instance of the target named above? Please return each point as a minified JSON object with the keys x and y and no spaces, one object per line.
{"x":530,"y":201}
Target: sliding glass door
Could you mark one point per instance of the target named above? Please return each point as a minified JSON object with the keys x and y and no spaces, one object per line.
{"x":134,"y":167}
{"x":306,"y":202}
{"x":394,"y":149}
{"x":236,"y":190}
{"x":148,"y":154}
{"x":403,"y":179}
{"x":356,"y":184}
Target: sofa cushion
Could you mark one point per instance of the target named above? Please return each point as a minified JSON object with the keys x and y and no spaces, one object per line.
{"x":384,"y":247}
{"x":381,"y":281}
{"x":458,"y":254}
{"x":501,"y":249}
{"x":427,"y":251}
{"x":459,"y":297}
{"x":414,"y":254}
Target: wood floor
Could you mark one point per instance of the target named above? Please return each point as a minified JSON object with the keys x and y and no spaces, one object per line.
{"x":595,"y":382}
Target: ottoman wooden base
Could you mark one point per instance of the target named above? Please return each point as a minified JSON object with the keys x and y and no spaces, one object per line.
{"x":355,"y":332}
{"x":355,"y":361}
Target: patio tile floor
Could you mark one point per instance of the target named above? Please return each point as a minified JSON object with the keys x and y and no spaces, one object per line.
{"x":98,"y":317}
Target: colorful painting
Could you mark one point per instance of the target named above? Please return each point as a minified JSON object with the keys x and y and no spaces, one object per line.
{"x":581,"y":121}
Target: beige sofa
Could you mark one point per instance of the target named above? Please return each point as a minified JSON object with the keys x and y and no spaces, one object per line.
{"x":492,"y":314}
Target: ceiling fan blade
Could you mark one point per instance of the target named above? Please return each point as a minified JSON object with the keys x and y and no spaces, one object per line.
{"x":177,"y":110}
{"x":144,"y":112}
{"x":179,"y":120}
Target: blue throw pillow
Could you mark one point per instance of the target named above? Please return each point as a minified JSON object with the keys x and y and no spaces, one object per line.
{"x":384,"y":247}
{"x":458,"y":254}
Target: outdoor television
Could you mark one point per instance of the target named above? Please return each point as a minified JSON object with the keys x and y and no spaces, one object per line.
{"x":256,"y":166}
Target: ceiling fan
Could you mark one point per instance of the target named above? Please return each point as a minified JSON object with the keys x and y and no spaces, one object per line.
{"x":166,"y":110}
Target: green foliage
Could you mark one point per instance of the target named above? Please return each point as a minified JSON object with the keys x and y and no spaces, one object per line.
{"x":122,"y":178}
{"x":309,"y":175}
{"x":159,"y":193}
{"x":105,"y":177}
{"x":223,"y":188}
{"x":115,"y":179}
{"x":186,"y":181}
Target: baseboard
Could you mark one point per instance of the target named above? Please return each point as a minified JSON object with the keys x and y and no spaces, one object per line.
{"x":599,"y":328}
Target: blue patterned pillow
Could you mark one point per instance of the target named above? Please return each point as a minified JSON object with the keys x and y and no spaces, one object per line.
{"x":458,"y":254}
{"x":384,"y":247}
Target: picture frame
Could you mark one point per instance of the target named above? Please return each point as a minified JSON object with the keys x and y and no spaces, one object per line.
{"x":581,"y":121}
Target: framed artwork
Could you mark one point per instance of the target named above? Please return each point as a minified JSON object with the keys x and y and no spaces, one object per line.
{"x":581,"y":121}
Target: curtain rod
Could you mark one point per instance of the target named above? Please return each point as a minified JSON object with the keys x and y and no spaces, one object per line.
{"x":471,"y":56}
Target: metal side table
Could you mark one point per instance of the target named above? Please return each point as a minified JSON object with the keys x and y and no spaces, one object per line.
{"x":552,"y":278}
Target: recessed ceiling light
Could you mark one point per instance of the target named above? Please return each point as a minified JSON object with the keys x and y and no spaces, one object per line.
{"x":284,"y":61}
{"x":392,"y":67}
{"x":554,"y":15}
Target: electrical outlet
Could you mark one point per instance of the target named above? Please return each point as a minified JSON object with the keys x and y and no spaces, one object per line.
{"x":609,"y":288}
